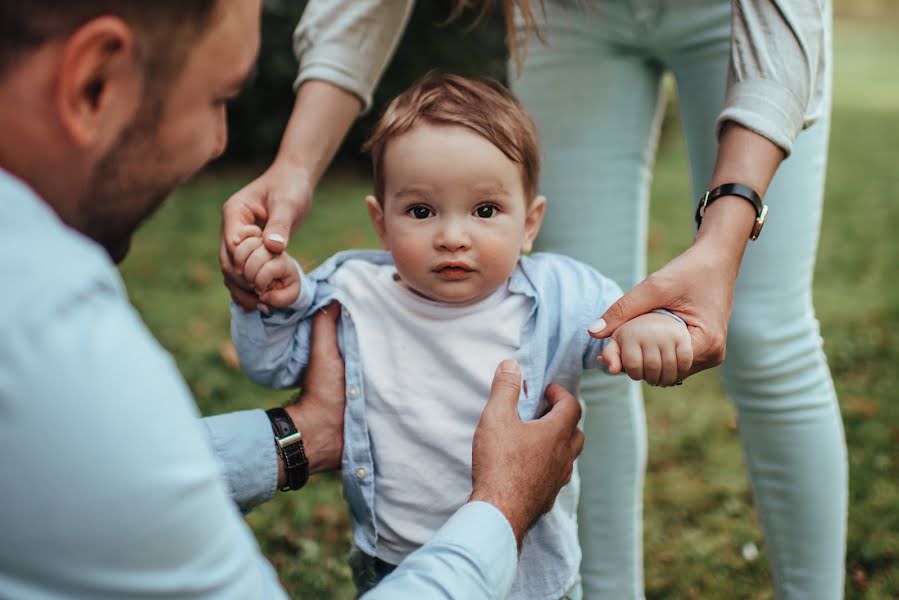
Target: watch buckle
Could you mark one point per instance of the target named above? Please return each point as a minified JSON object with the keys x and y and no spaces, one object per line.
{"x":703,"y":203}
{"x":759,"y":223}
{"x":289,"y":440}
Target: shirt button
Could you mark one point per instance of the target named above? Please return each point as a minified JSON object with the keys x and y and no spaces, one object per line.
{"x":361,"y":472}
{"x":353,"y":392}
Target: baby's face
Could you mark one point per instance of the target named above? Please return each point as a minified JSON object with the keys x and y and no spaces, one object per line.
{"x":455,"y":215}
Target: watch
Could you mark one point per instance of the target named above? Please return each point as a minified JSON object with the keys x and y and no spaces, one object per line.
{"x":742,"y":191}
{"x":290,"y":446}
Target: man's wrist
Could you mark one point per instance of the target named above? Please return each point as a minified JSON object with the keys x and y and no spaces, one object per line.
{"x":322,"y":438}
{"x":518,"y":521}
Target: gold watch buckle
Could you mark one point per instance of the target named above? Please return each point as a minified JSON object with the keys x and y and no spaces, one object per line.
{"x":759,"y":223}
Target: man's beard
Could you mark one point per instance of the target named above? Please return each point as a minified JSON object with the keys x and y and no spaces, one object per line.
{"x":129,"y":184}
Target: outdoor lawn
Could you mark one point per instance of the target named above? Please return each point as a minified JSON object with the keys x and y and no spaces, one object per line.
{"x":702,"y":536}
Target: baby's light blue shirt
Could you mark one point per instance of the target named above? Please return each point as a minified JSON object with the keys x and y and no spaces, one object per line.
{"x":565,"y":297}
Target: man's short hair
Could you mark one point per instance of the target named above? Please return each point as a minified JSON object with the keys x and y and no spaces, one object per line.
{"x":485,"y":106}
{"x":164,"y":28}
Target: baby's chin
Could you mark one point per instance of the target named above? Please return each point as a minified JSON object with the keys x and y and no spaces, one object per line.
{"x":460,"y":299}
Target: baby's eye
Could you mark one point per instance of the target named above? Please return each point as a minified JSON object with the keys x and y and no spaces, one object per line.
{"x":486,"y":211}
{"x":419,"y":212}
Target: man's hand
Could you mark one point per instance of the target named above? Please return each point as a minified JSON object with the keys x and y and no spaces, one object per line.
{"x":276,"y":203}
{"x":318,"y":412}
{"x":520,"y":467}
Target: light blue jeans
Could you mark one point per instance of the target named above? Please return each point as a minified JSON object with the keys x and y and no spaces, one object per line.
{"x":595,"y":94}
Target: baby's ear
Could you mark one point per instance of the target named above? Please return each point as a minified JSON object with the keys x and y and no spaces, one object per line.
{"x":376,"y":214}
{"x":532,"y":222}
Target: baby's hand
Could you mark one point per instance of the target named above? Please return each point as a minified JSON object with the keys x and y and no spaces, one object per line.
{"x":651,"y":347}
{"x":274,"y":276}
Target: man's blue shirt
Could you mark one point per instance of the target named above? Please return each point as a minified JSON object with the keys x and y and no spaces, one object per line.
{"x":111,"y":488}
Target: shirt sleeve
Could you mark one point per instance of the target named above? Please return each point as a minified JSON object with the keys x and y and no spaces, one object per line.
{"x":117,"y":493}
{"x":349,"y":42}
{"x":244,"y":445}
{"x":274,"y":349}
{"x":472,"y":557}
{"x":778,"y":67}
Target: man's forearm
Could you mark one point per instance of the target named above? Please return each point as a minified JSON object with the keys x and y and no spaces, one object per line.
{"x":472,"y":557}
{"x":322,"y":115}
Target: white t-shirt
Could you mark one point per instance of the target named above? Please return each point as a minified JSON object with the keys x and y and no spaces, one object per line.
{"x":428,"y":367}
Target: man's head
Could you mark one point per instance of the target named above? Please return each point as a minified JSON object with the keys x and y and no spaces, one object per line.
{"x":456,"y":164}
{"x":117,"y":102}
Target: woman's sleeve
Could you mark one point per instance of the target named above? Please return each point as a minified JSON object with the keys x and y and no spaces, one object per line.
{"x":778,"y":67}
{"x":349,"y":42}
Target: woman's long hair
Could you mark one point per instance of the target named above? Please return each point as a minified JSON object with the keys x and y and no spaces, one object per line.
{"x":518,"y":48}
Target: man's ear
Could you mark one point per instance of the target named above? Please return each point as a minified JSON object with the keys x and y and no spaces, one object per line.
{"x":99,"y":84}
{"x":376,"y":213}
{"x":532,"y":222}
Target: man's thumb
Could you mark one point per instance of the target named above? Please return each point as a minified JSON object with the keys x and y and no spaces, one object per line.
{"x":277,"y":228}
{"x":506,"y":386}
{"x":640,"y":300}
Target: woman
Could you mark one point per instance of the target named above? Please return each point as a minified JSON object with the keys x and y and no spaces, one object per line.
{"x":756,"y":76}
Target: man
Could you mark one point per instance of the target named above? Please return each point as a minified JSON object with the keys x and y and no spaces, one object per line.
{"x":111,"y":488}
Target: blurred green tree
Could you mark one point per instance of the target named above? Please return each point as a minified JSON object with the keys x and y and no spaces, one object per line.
{"x":258,"y":117}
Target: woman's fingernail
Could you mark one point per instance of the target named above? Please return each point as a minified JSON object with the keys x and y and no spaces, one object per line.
{"x":277,"y":238}
{"x":597,"y":326}
{"x":263,"y":309}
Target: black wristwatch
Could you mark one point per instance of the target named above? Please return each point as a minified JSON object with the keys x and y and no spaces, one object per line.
{"x":290,"y":446}
{"x":742,"y":191}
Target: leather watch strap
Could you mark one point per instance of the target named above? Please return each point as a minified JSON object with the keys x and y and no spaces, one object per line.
{"x":289,"y":442}
{"x":742,"y":191}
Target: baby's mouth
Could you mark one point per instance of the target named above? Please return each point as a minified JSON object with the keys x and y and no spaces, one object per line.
{"x":453,"y":271}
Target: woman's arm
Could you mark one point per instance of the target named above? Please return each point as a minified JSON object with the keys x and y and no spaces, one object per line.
{"x":343,"y":48}
{"x":779,"y":57}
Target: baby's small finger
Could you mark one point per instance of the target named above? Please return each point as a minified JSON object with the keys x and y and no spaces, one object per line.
{"x":669,"y":365}
{"x":611,"y":356}
{"x":244,"y":232}
{"x":282,"y":297}
{"x":255,"y":262}
{"x":268,"y":273}
{"x":632,"y":360}
{"x":243,"y":251}
{"x":652,"y":364}
{"x":684,"y":352}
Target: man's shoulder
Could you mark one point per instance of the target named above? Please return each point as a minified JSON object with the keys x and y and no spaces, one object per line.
{"x":47,"y":266}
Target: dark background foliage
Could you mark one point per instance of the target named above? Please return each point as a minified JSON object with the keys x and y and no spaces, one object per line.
{"x":257,"y":119}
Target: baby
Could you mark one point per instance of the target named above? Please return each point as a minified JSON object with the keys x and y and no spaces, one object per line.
{"x":425,"y":323}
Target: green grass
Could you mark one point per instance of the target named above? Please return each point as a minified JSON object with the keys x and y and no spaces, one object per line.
{"x":699,"y":512}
